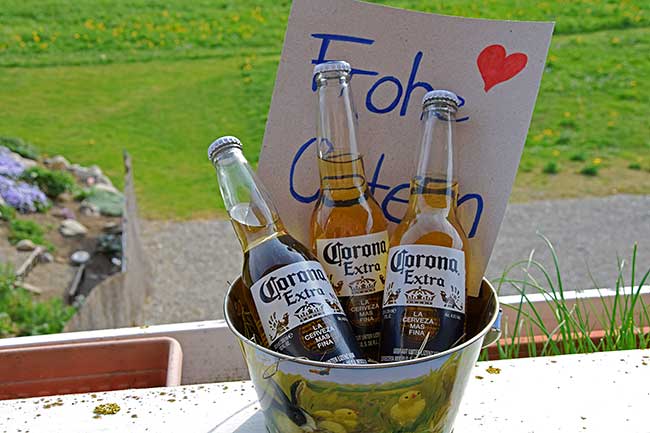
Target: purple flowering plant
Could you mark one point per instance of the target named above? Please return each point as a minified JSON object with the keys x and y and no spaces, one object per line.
{"x":9,"y":166}
{"x":22,"y":196}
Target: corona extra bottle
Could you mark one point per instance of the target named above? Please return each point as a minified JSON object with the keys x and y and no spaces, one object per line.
{"x":295,"y":309}
{"x":348,"y":228}
{"x":425,"y":296}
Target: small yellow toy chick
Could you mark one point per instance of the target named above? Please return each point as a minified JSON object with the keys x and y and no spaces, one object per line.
{"x":340,"y":421}
{"x":409,"y":406}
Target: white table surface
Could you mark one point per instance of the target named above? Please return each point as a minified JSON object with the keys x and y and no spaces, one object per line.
{"x":606,"y":392}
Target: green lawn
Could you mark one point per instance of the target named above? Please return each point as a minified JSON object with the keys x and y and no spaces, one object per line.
{"x":161,"y":79}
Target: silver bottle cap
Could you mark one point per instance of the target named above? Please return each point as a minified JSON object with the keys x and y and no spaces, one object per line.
{"x":440,"y":95}
{"x":222,"y":143}
{"x":333,"y":66}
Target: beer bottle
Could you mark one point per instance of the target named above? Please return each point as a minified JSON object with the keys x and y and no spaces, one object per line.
{"x":289,"y":295}
{"x":425,"y":296}
{"x":348,"y":228}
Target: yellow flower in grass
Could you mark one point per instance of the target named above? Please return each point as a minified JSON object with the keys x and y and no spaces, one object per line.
{"x":547,"y":132}
{"x":611,"y":123}
{"x":597,"y":161}
{"x":556,"y":152}
{"x":616,"y":40}
{"x":89,"y":24}
{"x":633,"y":83}
{"x":567,"y":115}
{"x":165,"y":13}
{"x":77,"y":35}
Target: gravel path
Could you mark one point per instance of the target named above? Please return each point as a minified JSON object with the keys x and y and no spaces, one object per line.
{"x":194,"y":260}
{"x":192,"y":263}
{"x":588,"y":235}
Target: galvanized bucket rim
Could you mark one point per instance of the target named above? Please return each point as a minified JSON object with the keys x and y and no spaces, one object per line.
{"x":482,"y":333}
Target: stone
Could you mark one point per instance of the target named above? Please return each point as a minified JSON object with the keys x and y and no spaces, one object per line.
{"x":109,"y":203}
{"x":88,"y":209}
{"x":104,"y":180}
{"x":70,"y":227}
{"x":64,"y":197}
{"x":80,"y":257}
{"x":57,"y":162}
{"x":26,"y":162}
{"x":63,"y":212}
{"x":106,"y":187}
{"x":112,"y":227}
{"x":46,"y":257}
{"x":2,"y":201}
{"x":25,"y":245}
{"x":92,"y":175}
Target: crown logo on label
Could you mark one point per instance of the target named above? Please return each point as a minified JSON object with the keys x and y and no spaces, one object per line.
{"x":420,"y":296}
{"x":309,"y":311}
{"x":363,"y":285}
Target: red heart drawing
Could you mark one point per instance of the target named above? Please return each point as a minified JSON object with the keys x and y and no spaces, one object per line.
{"x":496,"y":68}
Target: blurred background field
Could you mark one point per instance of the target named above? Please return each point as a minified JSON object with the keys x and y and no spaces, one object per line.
{"x":162,"y":78}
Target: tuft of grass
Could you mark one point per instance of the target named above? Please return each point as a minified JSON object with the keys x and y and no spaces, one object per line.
{"x":634,"y":166}
{"x":590,"y":170}
{"x":21,"y":314}
{"x":551,"y":167}
{"x":578,"y":157}
{"x":26,"y":229}
{"x":21,"y":147}
{"x":7,"y":213}
{"x":52,"y":182}
{"x":622,"y":320}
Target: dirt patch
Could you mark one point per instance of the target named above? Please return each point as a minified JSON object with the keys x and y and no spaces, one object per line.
{"x":54,"y":278}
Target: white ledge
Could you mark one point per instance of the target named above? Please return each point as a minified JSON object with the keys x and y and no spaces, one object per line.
{"x":597,"y":393}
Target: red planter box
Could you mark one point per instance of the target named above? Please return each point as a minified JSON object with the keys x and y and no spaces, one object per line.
{"x":89,"y":367}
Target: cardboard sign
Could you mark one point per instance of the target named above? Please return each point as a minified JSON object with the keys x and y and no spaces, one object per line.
{"x":397,"y":56}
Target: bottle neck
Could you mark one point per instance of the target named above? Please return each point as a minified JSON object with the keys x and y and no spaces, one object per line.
{"x":340,"y":163}
{"x":248,"y":204}
{"x":433,"y":186}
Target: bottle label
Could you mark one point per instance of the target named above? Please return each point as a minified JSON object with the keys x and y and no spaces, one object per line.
{"x":356,"y":265}
{"x":424,"y":301}
{"x":293,"y":295}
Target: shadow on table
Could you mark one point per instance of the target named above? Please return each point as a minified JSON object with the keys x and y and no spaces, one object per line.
{"x":253,"y":423}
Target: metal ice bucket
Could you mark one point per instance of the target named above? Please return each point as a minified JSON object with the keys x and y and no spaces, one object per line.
{"x":421,"y":395}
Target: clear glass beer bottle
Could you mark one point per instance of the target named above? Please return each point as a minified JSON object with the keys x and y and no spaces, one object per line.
{"x":348,"y":228}
{"x":425,"y":295}
{"x":294,"y":306}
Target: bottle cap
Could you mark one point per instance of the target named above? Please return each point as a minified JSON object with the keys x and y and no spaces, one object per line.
{"x":440,"y":95}
{"x":222,"y":143}
{"x":333,"y":66}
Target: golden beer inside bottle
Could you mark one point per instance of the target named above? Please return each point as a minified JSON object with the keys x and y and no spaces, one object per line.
{"x":431,"y":215}
{"x":345,"y":207}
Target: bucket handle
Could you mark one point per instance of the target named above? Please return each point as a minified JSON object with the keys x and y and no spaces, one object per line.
{"x":495,"y":331}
